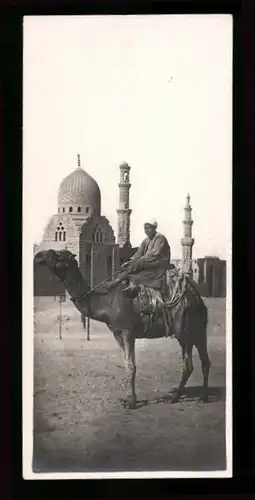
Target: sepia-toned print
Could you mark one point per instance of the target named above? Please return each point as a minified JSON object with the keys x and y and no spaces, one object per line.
{"x":127,"y":247}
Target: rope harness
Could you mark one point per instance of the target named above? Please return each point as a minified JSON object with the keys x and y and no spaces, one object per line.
{"x":102,"y":283}
{"x":177,"y":293}
{"x":176,"y":297}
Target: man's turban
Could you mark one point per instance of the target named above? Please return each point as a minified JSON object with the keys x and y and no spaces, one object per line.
{"x":151,"y":222}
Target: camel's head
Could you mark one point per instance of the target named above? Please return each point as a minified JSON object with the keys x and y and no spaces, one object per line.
{"x":58,"y":262}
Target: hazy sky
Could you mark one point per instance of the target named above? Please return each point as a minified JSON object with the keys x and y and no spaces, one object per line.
{"x":155,"y":91}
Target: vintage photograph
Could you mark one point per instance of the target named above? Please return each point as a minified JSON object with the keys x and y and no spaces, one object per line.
{"x":127,"y":229}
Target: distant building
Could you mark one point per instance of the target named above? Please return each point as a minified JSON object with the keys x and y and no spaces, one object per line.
{"x":210,"y":275}
{"x":80,"y":227}
{"x":208,"y":272}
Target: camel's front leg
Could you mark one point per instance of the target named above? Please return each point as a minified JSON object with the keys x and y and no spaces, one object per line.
{"x":129,"y":356}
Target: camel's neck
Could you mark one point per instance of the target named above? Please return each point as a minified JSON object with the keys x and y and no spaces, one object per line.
{"x":92,"y":305}
{"x":96,"y":306}
{"x":74,"y":283}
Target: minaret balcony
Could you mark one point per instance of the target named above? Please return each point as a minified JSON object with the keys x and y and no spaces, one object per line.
{"x":124,"y":211}
{"x":188,"y":222}
{"x":187,"y":241}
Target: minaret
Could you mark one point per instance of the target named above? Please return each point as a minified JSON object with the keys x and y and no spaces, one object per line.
{"x":124,"y":210}
{"x":187,"y":240}
{"x":79,"y":160}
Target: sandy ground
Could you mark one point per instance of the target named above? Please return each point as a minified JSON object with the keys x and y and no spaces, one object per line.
{"x":79,"y":423}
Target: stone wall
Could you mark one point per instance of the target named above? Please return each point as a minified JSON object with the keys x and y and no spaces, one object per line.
{"x":71,"y":242}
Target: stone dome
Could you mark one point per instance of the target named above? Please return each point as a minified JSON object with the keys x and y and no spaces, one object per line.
{"x":79,"y":193}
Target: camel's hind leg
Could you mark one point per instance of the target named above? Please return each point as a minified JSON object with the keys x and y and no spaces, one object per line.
{"x":206,"y":364}
{"x":187,"y":369}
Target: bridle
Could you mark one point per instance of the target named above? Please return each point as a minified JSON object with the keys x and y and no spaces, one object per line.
{"x":91,"y":290}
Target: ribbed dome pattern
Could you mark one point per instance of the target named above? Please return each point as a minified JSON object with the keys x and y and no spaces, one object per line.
{"x":79,"y":189}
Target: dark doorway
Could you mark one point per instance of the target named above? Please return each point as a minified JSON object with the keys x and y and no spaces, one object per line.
{"x":210,"y":280}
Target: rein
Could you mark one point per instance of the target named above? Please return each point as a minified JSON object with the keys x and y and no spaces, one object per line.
{"x":86,"y":294}
{"x":77,"y":299}
{"x":171,"y":303}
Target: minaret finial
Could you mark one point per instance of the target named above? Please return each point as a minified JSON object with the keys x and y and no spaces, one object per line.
{"x":79,"y":160}
{"x":188,"y":199}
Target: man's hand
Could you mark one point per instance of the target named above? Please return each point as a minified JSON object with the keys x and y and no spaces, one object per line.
{"x":136,"y":265}
{"x":125,"y":264}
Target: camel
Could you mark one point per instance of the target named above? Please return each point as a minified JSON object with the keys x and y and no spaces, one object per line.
{"x":122,"y":316}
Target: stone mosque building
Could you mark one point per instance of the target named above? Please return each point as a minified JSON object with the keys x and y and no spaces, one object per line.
{"x":80,"y":227}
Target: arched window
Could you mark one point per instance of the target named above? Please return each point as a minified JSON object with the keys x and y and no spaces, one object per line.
{"x":60,"y":234}
{"x":87,"y":210}
{"x":97,"y":235}
{"x":70,"y":209}
{"x":79,"y":209}
{"x":64,"y":209}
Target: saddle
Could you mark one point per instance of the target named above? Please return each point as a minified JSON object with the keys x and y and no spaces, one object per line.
{"x":155,"y":303}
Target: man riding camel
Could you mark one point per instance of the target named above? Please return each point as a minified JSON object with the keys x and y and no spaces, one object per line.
{"x":147,"y":266}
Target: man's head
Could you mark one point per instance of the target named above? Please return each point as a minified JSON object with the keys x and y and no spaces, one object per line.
{"x":150,"y":228}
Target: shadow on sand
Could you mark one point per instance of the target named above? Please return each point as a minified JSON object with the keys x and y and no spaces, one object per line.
{"x":191,"y":394}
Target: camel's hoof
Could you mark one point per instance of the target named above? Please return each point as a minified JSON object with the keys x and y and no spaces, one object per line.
{"x":204,"y":399}
{"x":129,"y":404}
{"x":175,"y":397}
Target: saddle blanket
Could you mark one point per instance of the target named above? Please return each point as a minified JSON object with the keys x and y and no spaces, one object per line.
{"x":176,"y":285}
{"x":153,"y":301}
{"x":150,"y":301}
{"x":178,"y":293}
